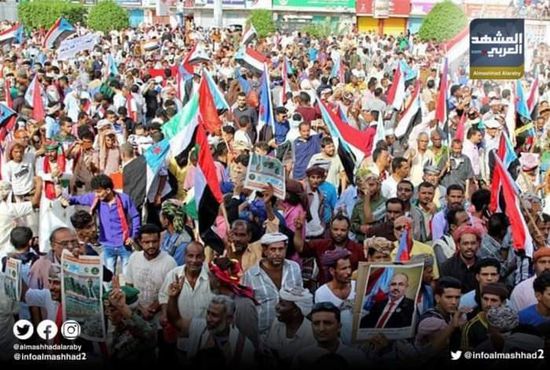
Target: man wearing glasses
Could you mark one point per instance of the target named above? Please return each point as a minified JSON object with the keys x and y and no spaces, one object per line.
{"x":60,"y":239}
{"x":405,"y":224}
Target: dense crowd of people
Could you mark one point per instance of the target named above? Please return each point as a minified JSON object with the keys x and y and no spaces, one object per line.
{"x":280,"y":290}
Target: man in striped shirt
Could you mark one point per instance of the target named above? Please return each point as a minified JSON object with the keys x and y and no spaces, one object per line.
{"x":269,"y":275}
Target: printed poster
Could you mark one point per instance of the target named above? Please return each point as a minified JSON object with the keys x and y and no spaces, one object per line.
{"x":82,"y":289}
{"x":263,"y":170}
{"x":386,"y":300}
{"x":12,"y":279}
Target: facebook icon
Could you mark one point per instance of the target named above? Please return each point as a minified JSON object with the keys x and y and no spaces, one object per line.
{"x":47,"y":330}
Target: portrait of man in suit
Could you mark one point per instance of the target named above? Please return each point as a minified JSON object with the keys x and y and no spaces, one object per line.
{"x":396,"y":311}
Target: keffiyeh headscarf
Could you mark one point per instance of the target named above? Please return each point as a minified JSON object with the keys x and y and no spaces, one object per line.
{"x":466,"y":229}
{"x":176,"y":212}
{"x":229,"y":272}
{"x":380,"y":244}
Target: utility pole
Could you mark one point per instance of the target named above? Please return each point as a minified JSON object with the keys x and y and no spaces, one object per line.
{"x":218,"y":13}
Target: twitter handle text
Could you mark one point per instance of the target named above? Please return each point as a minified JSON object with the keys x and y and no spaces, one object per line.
{"x":49,"y":357}
{"x":472,"y":355}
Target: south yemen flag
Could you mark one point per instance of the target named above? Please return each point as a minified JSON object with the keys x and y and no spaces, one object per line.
{"x":60,"y":30}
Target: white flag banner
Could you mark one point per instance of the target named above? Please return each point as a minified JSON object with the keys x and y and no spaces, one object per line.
{"x":69,"y":48}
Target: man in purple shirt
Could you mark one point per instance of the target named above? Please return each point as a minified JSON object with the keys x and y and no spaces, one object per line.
{"x":119,"y":220}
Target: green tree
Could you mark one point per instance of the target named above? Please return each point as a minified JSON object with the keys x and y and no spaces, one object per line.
{"x":443,"y":22}
{"x":107,"y":15}
{"x":262,"y":20}
{"x":44,"y":13}
{"x":322,"y":30}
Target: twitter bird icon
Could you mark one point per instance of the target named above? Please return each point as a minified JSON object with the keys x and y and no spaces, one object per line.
{"x":456,"y":355}
{"x":23,"y":329}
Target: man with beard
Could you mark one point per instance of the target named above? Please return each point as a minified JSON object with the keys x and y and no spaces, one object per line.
{"x":213,"y":341}
{"x":243,"y":110}
{"x":462,"y":264}
{"x":341,"y":289}
{"x":458,"y":169}
{"x":394,"y":312}
{"x":454,"y":200}
{"x":239,"y":246}
{"x":194,"y":296}
{"x":225,"y":275}
{"x":147,"y":269}
{"x":328,"y":159}
{"x":431,"y":175}
{"x":52,"y":169}
{"x":292,"y":330}
{"x":269,"y":275}
{"x":339,"y":230}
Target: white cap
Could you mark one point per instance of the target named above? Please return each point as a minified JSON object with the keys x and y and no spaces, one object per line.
{"x":492,"y":123}
{"x":103,"y":123}
{"x":271,"y":238}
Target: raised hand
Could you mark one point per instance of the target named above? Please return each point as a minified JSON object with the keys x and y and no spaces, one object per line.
{"x":176,"y":286}
{"x":117,"y":298}
{"x":299,"y":223}
{"x":268,"y":193}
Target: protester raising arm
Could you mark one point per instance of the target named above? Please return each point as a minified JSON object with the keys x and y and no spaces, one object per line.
{"x":180,"y":323}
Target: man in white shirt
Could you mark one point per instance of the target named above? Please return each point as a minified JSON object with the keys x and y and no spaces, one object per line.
{"x":471,"y":149}
{"x":523,"y":294}
{"x":292,"y":329}
{"x":10,"y":212}
{"x":213,"y":334}
{"x":420,"y":157}
{"x":328,"y":159}
{"x":400,"y":167}
{"x":195,"y":294}
{"x":241,"y":135}
{"x":340,"y":291}
{"x":19,"y":171}
{"x":147,"y":269}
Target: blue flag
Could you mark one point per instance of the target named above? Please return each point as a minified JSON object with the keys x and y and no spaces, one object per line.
{"x":243,"y":82}
{"x":521,"y":103}
{"x":155,"y":155}
{"x":5,"y":113}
